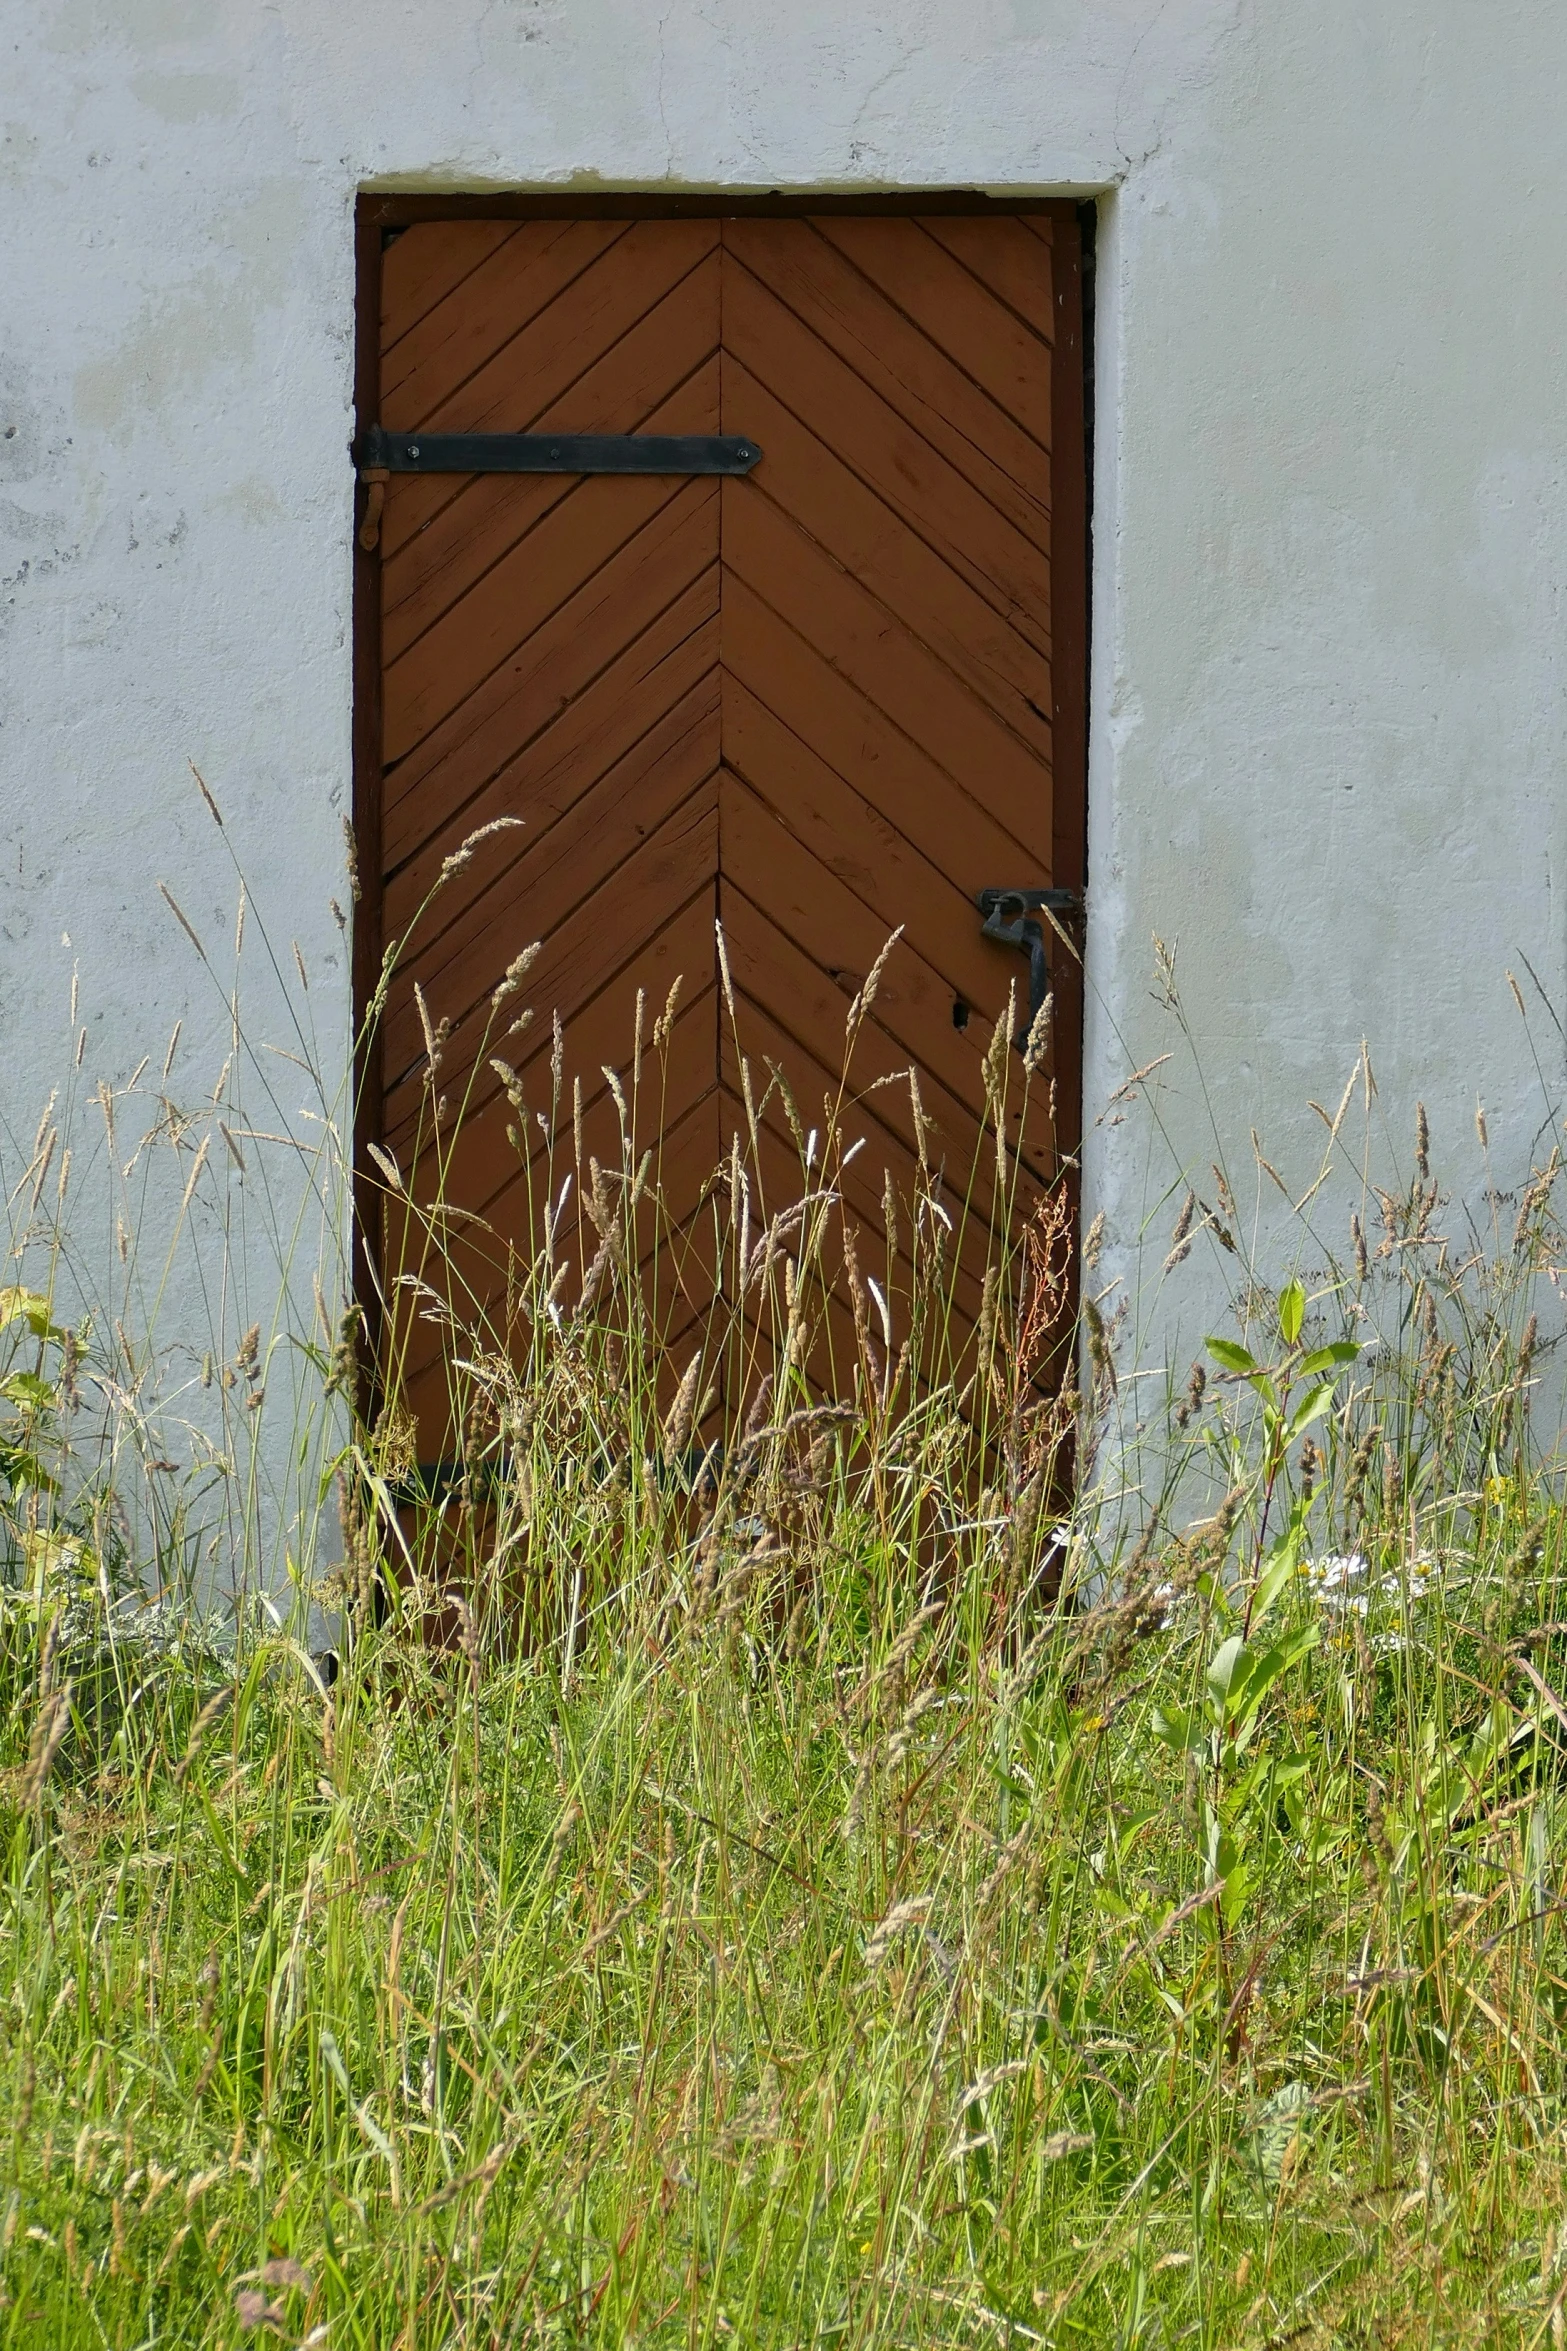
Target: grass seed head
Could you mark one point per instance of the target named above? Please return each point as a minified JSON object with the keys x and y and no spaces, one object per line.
{"x":50,"y":1725}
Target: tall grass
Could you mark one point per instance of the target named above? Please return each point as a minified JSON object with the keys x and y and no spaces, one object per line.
{"x":767,"y":1859}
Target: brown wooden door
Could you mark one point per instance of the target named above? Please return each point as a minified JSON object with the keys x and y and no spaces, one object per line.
{"x":836,"y":696}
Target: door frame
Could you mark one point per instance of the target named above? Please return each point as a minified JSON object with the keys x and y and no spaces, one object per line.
{"x":378,"y":212}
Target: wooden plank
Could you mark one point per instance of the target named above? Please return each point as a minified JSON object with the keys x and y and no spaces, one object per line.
{"x":365,"y":828}
{"x":487,"y":1167}
{"x":942,"y":929}
{"x":959,"y":315}
{"x":473,"y":1272}
{"x":774,"y":1182}
{"x":1007,"y":565}
{"x":653,"y":603}
{"x":515,"y":1198}
{"x":655,"y":379}
{"x":639,"y":930}
{"x":806,"y":673}
{"x":548,"y":269}
{"x":859,"y":1175}
{"x":545,"y":879}
{"x":577,"y":287}
{"x":624,"y":933}
{"x":491,"y":625}
{"x":1001,"y":253}
{"x":773,"y":1170}
{"x":952,"y":828}
{"x":846,"y":833}
{"x":748,"y":1348}
{"x":870,"y":541}
{"x":474,"y":1254}
{"x":425,"y":264}
{"x":538,"y":366}
{"x":779,"y":979}
{"x":900,"y":680}
{"x":676,"y":1248}
{"x":602,"y":1032}
{"x":719,"y":1320}
{"x":600,"y":727}
{"x":571,"y":643}
{"x":899,"y":363}
{"x":677,"y":1265}
{"x":752,"y":1327}
{"x":456,"y":987}
{"x":843,"y":937}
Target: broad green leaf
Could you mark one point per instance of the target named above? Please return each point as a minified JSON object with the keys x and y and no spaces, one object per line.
{"x":29,"y":1306}
{"x":1279,"y":1570}
{"x":1237,"y":1886}
{"x":20,"y":1468}
{"x":1228,"y":1864}
{"x":1228,"y":1660}
{"x":1311,"y":1407}
{"x":29,"y":1390}
{"x":1268,"y":1665}
{"x":1244,"y":1788}
{"x":1179,"y":1728}
{"x":1136,"y":1818}
{"x":1292,"y":1312}
{"x":1236,"y":1359}
{"x":1331,"y":1358}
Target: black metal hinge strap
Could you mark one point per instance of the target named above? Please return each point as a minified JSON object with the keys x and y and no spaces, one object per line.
{"x":1011,"y":916}
{"x":665,"y":453}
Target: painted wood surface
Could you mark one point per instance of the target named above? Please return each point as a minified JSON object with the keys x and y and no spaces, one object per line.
{"x":811,"y":705}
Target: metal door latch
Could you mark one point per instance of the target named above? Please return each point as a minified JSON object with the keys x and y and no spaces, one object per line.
{"x":1012,"y":917}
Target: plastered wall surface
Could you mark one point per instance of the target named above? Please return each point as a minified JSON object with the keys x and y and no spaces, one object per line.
{"x":1331,"y":516}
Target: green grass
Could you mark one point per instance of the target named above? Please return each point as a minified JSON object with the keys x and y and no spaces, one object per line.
{"x":863,"y":1995}
{"x":727,"y":1901}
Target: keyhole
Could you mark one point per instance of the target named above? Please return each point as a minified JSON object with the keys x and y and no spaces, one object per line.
{"x":959,"y":1013}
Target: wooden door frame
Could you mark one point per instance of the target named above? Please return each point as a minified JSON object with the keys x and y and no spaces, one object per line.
{"x":378,"y":211}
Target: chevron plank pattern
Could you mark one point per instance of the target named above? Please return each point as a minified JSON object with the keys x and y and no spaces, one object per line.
{"x":811,"y":705}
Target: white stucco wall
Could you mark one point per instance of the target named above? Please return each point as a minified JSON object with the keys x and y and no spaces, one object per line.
{"x":1327,"y":721}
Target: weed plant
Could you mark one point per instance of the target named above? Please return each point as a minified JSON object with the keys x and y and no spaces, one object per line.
{"x":774,"y":1854}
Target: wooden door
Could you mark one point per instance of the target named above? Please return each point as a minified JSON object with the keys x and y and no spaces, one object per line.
{"x":837,"y":696}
